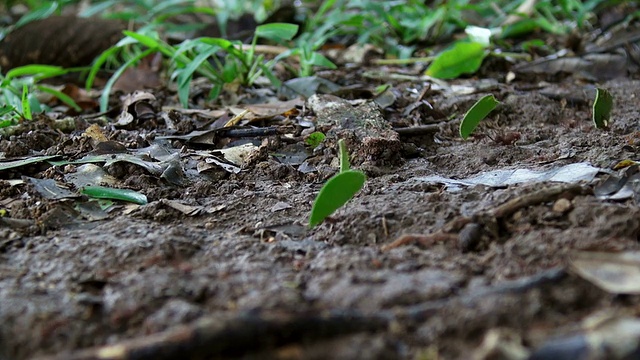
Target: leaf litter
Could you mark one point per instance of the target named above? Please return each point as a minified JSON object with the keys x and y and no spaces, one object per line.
{"x":404,"y":269}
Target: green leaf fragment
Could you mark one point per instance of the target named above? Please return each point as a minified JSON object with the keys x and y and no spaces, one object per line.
{"x":602,"y":108}
{"x":101,"y":192}
{"x":462,"y":58}
{"x":336,"y":192}
{"x":315,"y":139}
{"x":26,"y":107}
{"x":277,"y":31}
{"x":477,"y":113}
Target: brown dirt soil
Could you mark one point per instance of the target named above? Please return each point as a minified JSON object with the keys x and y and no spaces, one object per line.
{"x":250,"y":280}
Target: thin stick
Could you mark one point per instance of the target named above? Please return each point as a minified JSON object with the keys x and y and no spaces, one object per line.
{"x":445,"y":233}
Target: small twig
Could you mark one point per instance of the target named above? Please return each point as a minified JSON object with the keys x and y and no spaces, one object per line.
{"x":403,"y":61}
{"x":422,"y":312}
{"x":256,"y":132}
{"x":236,"y":119}
{"x":538,"y":197}
{"x":265,"y":49}
{"x":423,"y":93}
{"x":512,"y":55}
{"x":385,"y":228}
{"x":446,"y":233}
{"x":257,"y":333}
{"x":250,"y":332}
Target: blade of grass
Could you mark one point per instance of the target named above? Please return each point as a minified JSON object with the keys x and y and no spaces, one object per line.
{"x":38,"y":72}
{"x":186,"y":74}
{"x":104,"y":98}
{"x":42,"y":13}
{"x":97,"y":65}
{"x":61,"y":96}
{"x":26,"y":107}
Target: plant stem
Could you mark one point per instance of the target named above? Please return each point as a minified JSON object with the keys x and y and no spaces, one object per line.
{"x":402,"y":61}
{"x":344,"y":156}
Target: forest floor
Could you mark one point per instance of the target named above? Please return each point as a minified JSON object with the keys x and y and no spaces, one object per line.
{"x":505,"y":244}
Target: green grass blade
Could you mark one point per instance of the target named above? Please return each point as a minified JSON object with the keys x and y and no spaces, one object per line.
{"x":215,"y":91}
{"x":101,"y":192}
{"x":233,"y":48}
{"x":222,"y":43}
{"x":26,"y":107}
{"x":163,"y":18}
{"x":37,"y":71}
{"x":477,"y":113}
{"x":266,"y":70}
{"x":61,"y":96}
{"x":602,"y":108}
{"x":152,"y":43}
{"x":143,"y":39}
{"x":42,"y":13}
{"x":186,"y":74}
{"x":97,"y":65}
{"x":104,"y":98}
{"x":95,"y":9}
{"x":318,"y":59}
{"x":336,"y":192}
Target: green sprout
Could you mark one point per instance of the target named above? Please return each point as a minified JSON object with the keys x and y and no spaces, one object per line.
{"x":196,"y":56}
{"x":18,"y":90}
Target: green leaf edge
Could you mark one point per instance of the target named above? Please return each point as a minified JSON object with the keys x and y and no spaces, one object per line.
{"x":443,"y":68}
{"x":602,"y":106}
{"x":101,"y":192}
{"x":477,"y":113}
{"x":336,"y":192}
{"x":315,"y":138}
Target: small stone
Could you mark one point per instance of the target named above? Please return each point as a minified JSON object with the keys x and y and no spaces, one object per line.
{"x":469,"y":237}
{"x":518,"y":216}
{"x":562,"y":206}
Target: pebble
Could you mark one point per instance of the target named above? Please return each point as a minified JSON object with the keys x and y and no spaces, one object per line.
{"x":469,"y":237}
{"x":562,"y":206}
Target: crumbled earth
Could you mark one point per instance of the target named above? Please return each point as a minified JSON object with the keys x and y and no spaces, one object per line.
{"x":249,"y":279}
